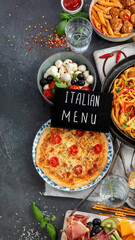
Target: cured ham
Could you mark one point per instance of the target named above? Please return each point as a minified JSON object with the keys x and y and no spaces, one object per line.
{"x":102,"y":236}
{"x":77,"y":228}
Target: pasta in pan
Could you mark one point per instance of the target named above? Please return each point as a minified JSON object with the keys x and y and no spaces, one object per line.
{"x":123,"y":107}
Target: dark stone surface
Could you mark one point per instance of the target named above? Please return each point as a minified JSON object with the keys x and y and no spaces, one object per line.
{"x":22,"y":112}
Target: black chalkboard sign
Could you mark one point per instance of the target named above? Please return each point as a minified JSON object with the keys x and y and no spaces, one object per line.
{"x":82,"y":110}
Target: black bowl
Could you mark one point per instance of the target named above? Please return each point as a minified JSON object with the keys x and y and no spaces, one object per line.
{"x":109,"y":80}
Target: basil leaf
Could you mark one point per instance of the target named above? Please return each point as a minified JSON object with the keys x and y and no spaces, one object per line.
{"x":53,"y":218}
{"x":44,"y":222}
{"x":74,"y":75}
{"x":61,"y":85}
{"x":37,"y":213}
{"x":81,"y":14}
{"x":51,"y":231}
{"x":60,"y":28}
{"x":65,"y":16}
{"x":124,"y":125}
{"x":53,"y":89}
{"x":56,"y":79}
{"x":117,"y":90}
{"x":127,"y":114}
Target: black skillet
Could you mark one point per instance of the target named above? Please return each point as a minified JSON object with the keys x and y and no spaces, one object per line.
{"x":110,"y":78}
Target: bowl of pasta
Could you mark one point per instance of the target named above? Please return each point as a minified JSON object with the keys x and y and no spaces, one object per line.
{"x":120,"y":82}
{"x":113,"y":20}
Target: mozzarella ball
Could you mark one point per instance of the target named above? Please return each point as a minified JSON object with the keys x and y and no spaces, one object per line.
{"x":69,"y":83}
{"x":57,"y":75}
{"x":90,"y":79}
{"x":62,"y":70}
{"x":58,"y":63}
{"x":67,"y":61}
{"x":78,"y":72}
{"x":46,"y":87}
{"x":65,"y":77}
{"x":46,"y":74}
{"x":86,"y":74}
{"x":75,"y":67}
{"x":54,"y":68}
{"x":69,"y":67}
{"x":86,"y":84}
{"x":82,"y":68}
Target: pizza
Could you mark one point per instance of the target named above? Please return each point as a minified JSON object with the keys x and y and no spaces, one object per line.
{"x":71,"y":158}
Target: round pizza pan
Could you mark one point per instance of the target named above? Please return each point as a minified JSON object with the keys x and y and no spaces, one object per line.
{"x":47,"y":180}
{"x":109,"y":80}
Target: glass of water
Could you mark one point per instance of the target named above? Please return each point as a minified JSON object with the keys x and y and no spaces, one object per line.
{"x":79,"y":33}
{"x":114,"y":191}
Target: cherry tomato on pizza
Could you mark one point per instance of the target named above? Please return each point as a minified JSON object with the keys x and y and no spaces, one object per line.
{"x":54,"y":162}
{"x":80,"y":133}
{"x":56,"y":138}
{"x":97,"y":148}
{"x":73,"y":150}
{"x":78,"y":169}
{"x":48,"y":93}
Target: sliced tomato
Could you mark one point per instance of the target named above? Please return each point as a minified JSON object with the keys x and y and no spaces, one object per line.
{"x":56,"y":138}
{"x":97,"y":148}
{"x":86,"y":88}
{"x":126,"y":16}
{"x":74,"y":87}
{"x":73,"y":150}
{"x":54,"y":162}
{"x":51,"y":84}
{"x":78,"y":169}
{"x":48,"y":93}
{"x":80,"y":133}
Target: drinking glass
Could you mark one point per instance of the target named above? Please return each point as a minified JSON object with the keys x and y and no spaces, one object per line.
{"x":114,"y":191}
{"x":79,"y":33}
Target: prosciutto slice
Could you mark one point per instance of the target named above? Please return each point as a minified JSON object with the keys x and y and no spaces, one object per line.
{"x":77,"y":228}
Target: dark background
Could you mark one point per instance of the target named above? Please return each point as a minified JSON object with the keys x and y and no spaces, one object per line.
{"x":22,"y":112}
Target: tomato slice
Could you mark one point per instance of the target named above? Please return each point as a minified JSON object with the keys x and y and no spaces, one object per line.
{"x":54,"y":162}
{"x":97,"y":148}
{"x":51,"y":84}
{"x":56,"y":138}
{"x":77,"y":169}
{"x":80,"y":133}
{"x":74,"y":87}
{"x":48,"y":93}
{"x":73,"y":150}
{"x":126,"y":16}
{"x":86,"y":88}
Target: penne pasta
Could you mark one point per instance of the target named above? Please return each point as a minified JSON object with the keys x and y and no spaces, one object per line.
{"x":109,"y":29}
{"x":102,"y":19}
{"x":96,"y":15}
{"x":97,"y":24}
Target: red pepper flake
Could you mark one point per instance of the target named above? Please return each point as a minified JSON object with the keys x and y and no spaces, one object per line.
{"x":118,"y":56}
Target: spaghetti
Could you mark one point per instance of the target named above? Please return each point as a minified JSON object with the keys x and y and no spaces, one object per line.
{"x":123,"y":106}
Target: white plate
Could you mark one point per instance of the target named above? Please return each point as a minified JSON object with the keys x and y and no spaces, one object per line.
{"x":45,"y":178}
{"x":90,"y":219}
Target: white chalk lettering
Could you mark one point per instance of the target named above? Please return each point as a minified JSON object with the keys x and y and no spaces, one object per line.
{"x":93,"y":119}
{"x":78,"y":98}
{"x":92,"y":100}
{"x":97,"y":101}
{"x":84,"y":104}
{"x":64,"y":115}
{"x":66,"y":96}
{"x":84,"y":117}
{"x":75,"y":116}
{"x":72,"y":97}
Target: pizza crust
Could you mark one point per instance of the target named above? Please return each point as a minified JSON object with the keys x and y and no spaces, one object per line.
{"x":79,"y":182}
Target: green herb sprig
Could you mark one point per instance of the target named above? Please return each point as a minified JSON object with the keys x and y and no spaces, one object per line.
{"x":60,"y":28}
{"x":45,"y":222}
